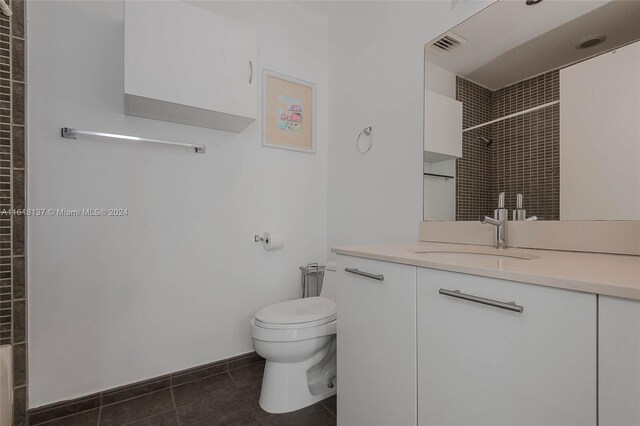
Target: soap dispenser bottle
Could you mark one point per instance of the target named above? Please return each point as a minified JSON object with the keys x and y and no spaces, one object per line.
{"x":519,"y":213}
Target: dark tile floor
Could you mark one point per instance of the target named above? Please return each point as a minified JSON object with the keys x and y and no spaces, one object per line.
{"x":229,"y":398}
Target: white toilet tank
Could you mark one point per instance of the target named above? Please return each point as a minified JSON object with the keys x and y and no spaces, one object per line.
{"x":329,"y":285}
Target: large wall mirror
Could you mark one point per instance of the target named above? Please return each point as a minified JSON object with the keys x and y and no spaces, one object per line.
{"x":540,"y":99}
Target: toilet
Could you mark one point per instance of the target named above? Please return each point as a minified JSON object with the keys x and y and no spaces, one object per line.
{"x":297,"y":339}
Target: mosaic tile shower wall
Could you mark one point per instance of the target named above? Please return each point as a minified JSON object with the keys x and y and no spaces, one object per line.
{"x":526,"y":149}
{"x":13,"y":291}
{"x":475,"y":170}
{"x":524,"y":156}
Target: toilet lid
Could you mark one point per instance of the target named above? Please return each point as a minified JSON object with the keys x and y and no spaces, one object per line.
{"x":299,"y":311}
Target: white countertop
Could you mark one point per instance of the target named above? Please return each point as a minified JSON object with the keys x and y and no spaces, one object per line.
{"x":606,"y":274}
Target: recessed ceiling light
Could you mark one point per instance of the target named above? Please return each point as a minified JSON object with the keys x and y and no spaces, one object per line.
{"x":591,"y":41}
{"x":532,"y":2}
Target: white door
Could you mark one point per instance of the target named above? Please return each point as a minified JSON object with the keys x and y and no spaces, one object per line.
{"x":484,"y":365}
{"x":619,"y":361}
{"x":376,"y":343}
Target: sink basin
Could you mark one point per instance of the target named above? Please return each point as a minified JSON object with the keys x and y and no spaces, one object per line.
{"x":465,"y":254}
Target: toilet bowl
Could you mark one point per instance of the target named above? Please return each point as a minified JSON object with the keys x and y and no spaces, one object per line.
{"x":297,"y":339}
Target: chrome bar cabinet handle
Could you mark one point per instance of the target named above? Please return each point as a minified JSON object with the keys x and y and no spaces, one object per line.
{"x":509,"y":306}
{"x":250,"y":72}
{"x":357,"y":271}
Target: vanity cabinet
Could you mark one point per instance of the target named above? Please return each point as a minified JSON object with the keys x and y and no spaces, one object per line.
{"x":204,"y":75}
{"x":376,"y":343}
{"x":619,"y":362}
{"x":484,"y":365}
{"x":408,"y":354}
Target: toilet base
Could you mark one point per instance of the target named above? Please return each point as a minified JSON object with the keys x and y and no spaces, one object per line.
{"x":291,"y":386}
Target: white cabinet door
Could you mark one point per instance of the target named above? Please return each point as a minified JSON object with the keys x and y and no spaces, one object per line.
{"x":619,"y":362}
{"x":376,"y":343}
{"x":483,"y":365}
{"x":205,"y":74}
{"x":442,"y":128}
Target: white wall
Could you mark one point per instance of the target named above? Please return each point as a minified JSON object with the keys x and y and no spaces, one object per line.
{"x":600,"y":137}
{"x":376,"y":76}
{"x":439,"y":195}
{"x":174,"y":284}
{"x":439,"y":80}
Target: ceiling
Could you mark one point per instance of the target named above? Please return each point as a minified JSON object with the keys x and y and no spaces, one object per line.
{"x":510,"y":41}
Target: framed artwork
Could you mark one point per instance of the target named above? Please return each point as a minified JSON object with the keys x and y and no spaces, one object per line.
{"x":288,"y":112}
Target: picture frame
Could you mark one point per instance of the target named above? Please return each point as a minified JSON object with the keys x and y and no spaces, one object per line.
{"x":288,"y":112}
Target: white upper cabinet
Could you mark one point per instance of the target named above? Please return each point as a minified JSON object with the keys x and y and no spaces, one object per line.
{"x":442,"y":128}
{"x":485,"y":365}
{"x":619,"y":362}
{"x":600,"y":137}
{"x":204,"y":74}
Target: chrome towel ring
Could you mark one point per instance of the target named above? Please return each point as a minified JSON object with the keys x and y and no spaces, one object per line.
{"x":365,"y":140}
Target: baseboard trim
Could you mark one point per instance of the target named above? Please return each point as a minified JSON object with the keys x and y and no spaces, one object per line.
{"x":57,"y":410}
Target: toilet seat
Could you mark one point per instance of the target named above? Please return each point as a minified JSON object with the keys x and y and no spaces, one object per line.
{"x":299,"y":319}
{"x":292,"y":334}
{"x":299,"y":313}
{"x":267,"y":325}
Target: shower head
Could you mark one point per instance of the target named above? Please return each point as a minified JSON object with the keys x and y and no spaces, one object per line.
{"x":487,"y":141}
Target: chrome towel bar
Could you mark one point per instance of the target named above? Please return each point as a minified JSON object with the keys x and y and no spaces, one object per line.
{"x":509,"y":306}
{"x":446,"y":177}
{"x":69,"y":133}
{"x":515,"y":114}
{"x":357,"y":271}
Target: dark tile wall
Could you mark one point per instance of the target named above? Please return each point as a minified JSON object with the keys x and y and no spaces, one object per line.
{"x":475,"y":170}
{"x":525,"y":154}
{"x":5,"y":181}
{"x":13,"y":287}
{"x":527,"y":148}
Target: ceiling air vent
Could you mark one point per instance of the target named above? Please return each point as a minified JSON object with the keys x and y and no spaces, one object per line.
{"x":445,"y":44}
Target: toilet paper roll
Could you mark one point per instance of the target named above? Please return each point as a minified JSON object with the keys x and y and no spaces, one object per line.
{"x":273,"y":241}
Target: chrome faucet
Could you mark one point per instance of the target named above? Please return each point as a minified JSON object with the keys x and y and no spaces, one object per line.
{"x":499,"y":221}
